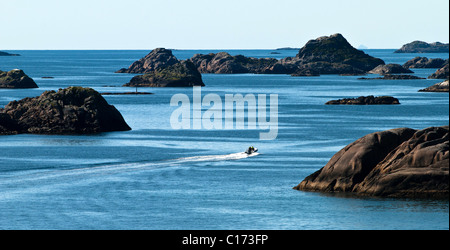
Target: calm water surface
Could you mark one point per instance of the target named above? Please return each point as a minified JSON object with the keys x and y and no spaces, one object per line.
{"x":154,"y":177}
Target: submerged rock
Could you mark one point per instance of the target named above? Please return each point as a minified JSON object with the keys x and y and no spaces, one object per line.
{"x":16,"y":79}
{"x":438,"y":87}
{"x":424,"y":47}
{"x":393,"y":77}
{"x":394,"y":163}
{"x":365,"y":100}
{"x":74,"y":110}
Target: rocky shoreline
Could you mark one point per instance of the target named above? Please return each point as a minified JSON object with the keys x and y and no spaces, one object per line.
{"x":74,"y":110}
{"x":365,"y":100}
{"x":400,"y":162}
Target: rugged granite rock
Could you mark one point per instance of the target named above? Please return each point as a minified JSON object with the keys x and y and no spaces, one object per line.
{"x":325,"y":55}
{"x":391,"y":68}
{"x":7,"y":54}
{"x":424,"y":47}
{"x":159,"y":58}
{"x":16,"y":79}
{"x":394,"y":163}
{"x":442,"y":73}
{"x":336,"y":49}
{"x":162,"y":69}
{"x":365,"y":100}
{"x":182,"y":74}
{"x":424,"y":62}
{"x":224,"y":63}
{"x":74,"y":110}
{"x":438,"y":87}
{"x":393,"y":77}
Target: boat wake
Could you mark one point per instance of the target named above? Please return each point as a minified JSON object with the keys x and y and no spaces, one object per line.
{"x":86,"y":171}
{"x":229,"y":157}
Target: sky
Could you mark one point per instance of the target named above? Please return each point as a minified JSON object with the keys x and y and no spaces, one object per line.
{"x":217,"y":24}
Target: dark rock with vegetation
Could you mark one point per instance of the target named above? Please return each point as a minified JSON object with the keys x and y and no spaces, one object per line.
{"x":182,"y":74}
{"x":424,"y":62}
{"x":224,"y":63}
{"x":16,"y":79}
{"x":2,"y":53}
{"x":442,"y":73}
{"x":365,"y":100}
{"x":393,"y":77}
{"x":388,"y":69}
{"x":74,"y":110}
{"x":438,"y":87}
{"x":159,"y":58}
{"x":395,"y":163}
{"x":424,"y":47}
{"x":336,"y":49}
{"x":162,"y":69}
{"x":325,"y":55}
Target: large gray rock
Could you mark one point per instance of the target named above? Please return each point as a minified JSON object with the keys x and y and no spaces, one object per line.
{"x":394,"y":163}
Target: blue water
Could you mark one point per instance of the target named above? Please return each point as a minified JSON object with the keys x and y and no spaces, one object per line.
{"x":154,"y":177}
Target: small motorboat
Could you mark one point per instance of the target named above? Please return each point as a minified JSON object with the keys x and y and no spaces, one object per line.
{"x":251,"y":150}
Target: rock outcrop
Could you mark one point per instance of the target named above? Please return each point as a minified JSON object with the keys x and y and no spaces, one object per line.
{"x":442,"y":73}
{"x":388,"y":69}
{"x":74,"y":110}
{"x":182,"y":74}
{"x":394,"y":163}
{"x":159,"y":58}
{"x":325,"y":55}
{"x":162,"y":69}
{"x":365,"y":100}
{"x":224,"y":63}
{"x":393,"y":77}
{"x":16,"y":79}
{"x":438,"y":87}
{"x":424,"y":47}
{"x":2,"y":53}
{"x":424,"y":62}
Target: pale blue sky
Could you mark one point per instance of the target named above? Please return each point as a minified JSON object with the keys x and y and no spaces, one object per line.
{"x":213,"y":24}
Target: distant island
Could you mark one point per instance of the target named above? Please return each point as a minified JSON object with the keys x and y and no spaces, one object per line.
{"x":424,"y":47}
{"x":7,"y":54}
{"x":287,"y":48}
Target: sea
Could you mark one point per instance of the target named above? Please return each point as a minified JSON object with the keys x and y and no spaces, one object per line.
{"x":157,"y":177}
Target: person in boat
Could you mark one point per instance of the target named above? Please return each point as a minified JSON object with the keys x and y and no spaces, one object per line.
{"x":251,"y":149}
